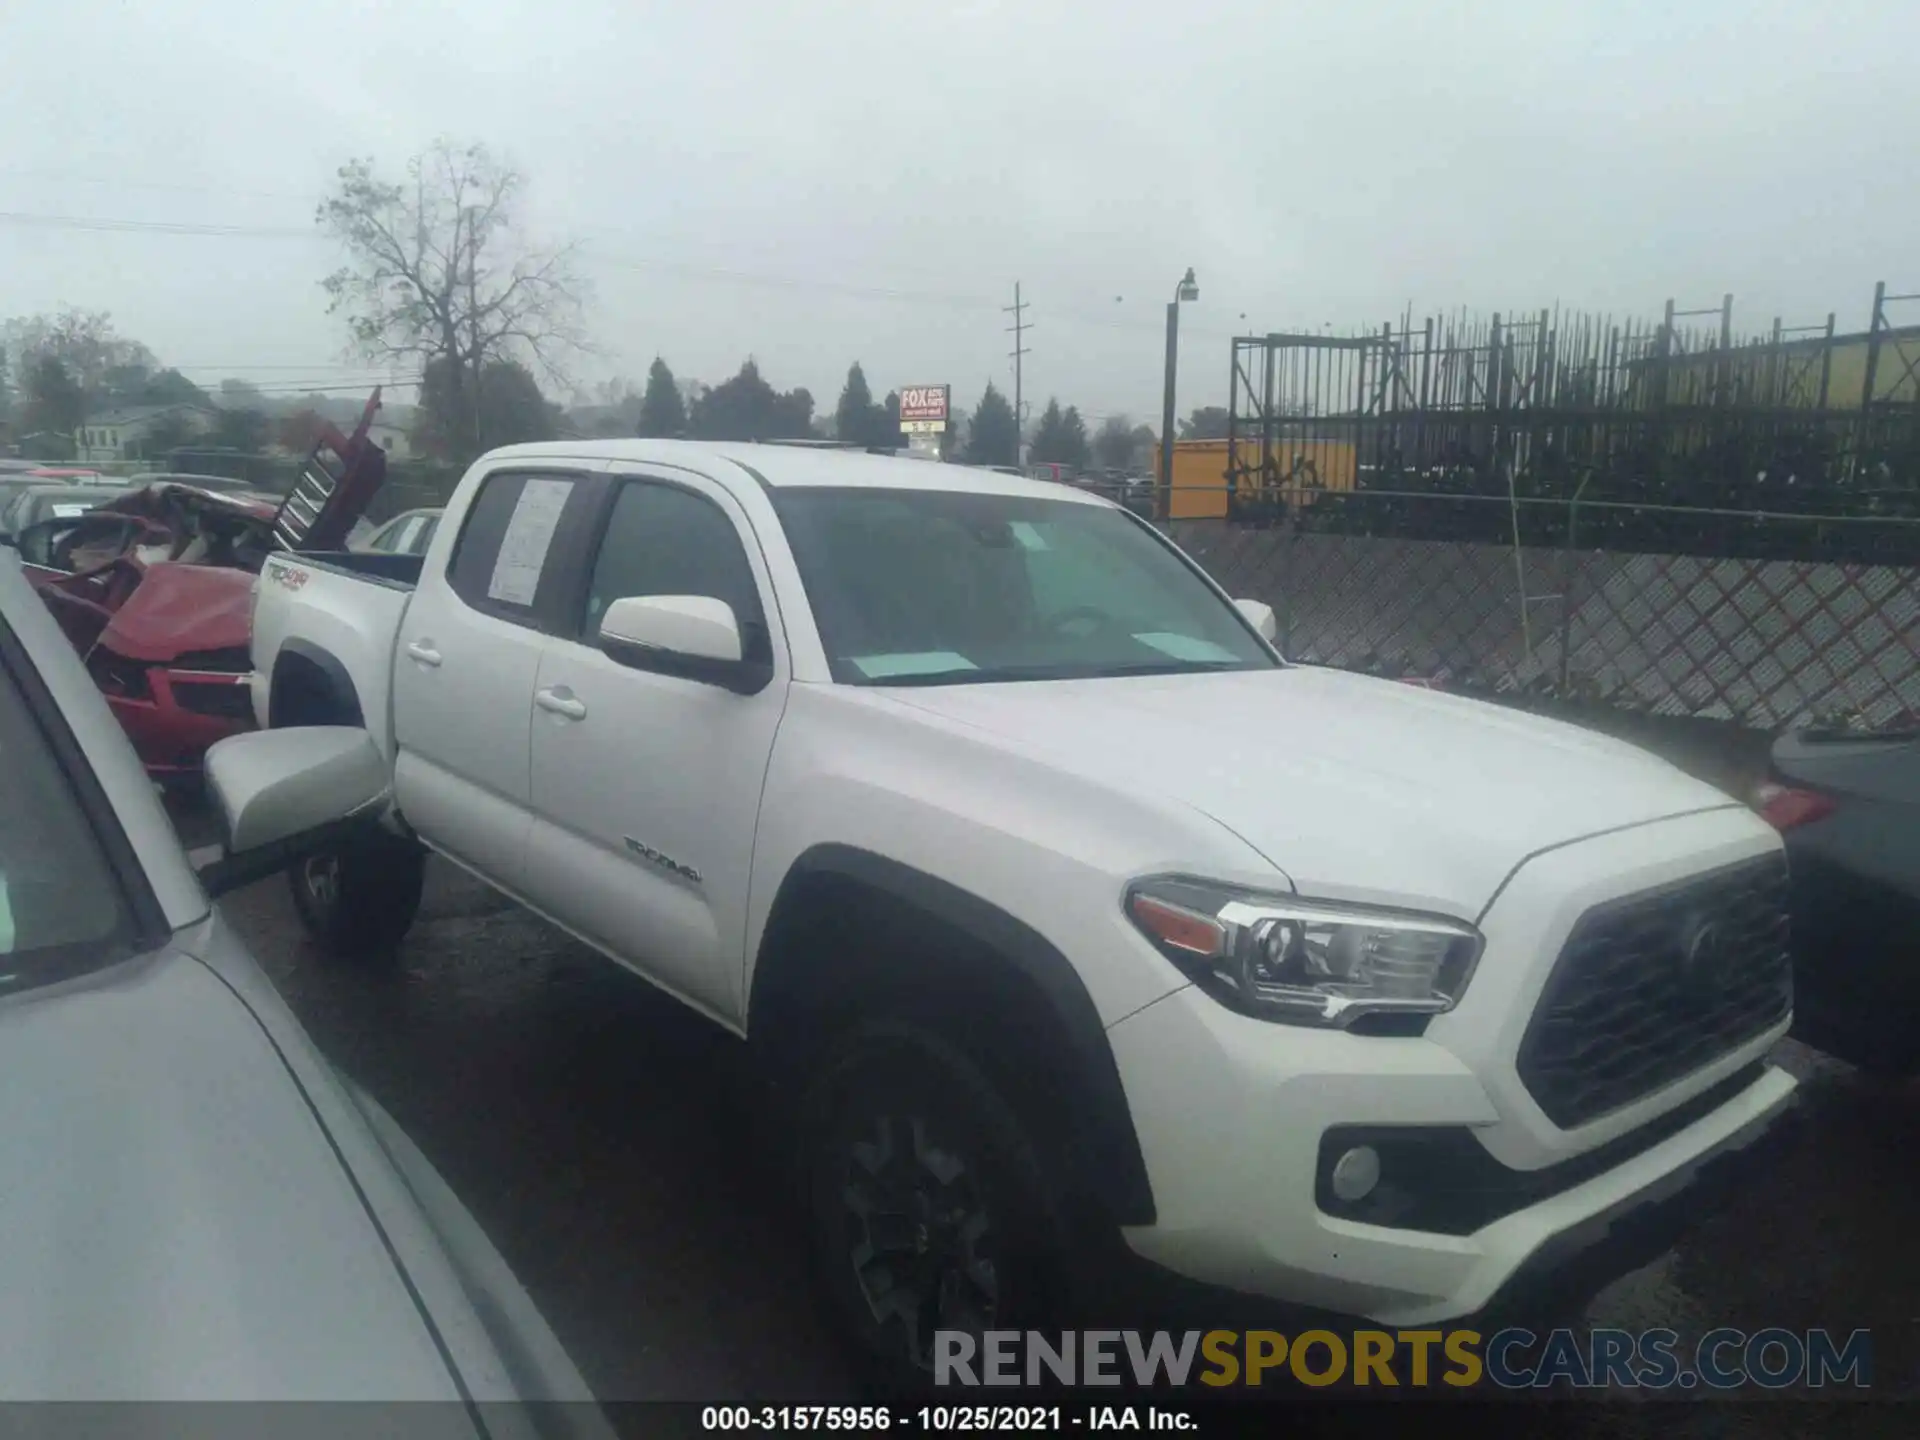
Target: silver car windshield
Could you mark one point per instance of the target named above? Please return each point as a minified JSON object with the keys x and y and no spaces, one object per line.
{"x":62,"y":910}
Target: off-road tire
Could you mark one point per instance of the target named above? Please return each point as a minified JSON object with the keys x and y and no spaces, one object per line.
{"x":358,"y":899}
{"x":890,"y":1110}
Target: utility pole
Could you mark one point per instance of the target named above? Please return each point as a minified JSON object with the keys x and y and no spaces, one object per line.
{"x":1018,"y":330}
{"x":1187,"y":289}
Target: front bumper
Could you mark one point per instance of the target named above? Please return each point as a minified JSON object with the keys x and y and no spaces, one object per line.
{"x":1232,"y":1143}
{"x":182,"y":713}
{"x":1577,"y":1263}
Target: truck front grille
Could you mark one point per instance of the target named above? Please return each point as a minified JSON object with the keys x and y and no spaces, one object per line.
{"x":1654,"y":986}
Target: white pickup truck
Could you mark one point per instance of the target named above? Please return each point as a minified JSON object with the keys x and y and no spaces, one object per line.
{"x":1083,"y":926}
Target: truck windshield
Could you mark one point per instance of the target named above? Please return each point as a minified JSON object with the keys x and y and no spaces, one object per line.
{"x":934,"y":587}
{"x":61,"y":909}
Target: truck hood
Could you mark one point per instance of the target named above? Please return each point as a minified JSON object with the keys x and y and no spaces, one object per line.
{"x":176,"y":1223}
{"x":1353,"y":787}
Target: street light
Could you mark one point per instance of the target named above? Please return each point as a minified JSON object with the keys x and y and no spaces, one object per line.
{"x":1188,"y":289}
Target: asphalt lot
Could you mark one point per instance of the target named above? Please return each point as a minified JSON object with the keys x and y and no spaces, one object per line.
{"x":601,"y":1134}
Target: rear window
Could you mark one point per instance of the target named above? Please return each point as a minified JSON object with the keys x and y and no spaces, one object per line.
{"x":503,"y":547}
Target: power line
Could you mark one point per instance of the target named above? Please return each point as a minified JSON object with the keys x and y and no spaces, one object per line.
{"x":594,"y":254}
{"x":155,"y":227}
{"x":170,"y":186}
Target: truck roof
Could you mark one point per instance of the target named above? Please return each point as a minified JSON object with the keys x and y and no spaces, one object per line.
{"x":792,"y":466}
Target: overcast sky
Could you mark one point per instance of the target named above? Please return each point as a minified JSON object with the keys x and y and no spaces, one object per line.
{"x":819,"y":182}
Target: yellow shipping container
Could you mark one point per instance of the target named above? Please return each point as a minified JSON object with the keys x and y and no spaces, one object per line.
{"x":1200,"y":470}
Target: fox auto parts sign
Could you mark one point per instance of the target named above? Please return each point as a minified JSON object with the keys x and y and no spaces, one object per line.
{"x":923,"y":409}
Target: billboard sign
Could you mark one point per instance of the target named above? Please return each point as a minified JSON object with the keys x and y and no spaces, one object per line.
{"x":923,"y":409}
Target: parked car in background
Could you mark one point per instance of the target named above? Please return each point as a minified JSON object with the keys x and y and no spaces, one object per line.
{"x":13,"y":483}
{"x":51,"y":501}
{"x":407,"y":533}
{"x":959,"y":797}
{"x":74,"y":477}
{"x":197,"y":1206}
{"x":1848,"y":806}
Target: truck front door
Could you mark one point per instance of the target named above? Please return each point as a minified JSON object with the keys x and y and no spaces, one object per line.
{"x":646,"y":787}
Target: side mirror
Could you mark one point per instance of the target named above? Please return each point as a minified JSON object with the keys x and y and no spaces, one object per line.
{"x":693,"y":637}
{"x":285,"y":794}
{"x":1260,"y":615}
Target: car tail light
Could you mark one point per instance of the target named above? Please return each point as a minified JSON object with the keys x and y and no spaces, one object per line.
{"x":1784,"y":807}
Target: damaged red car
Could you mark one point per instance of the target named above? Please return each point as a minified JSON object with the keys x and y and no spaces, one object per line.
{"x":155,"y":590}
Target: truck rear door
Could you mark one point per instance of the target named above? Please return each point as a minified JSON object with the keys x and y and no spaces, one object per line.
{"x":466,"y":659}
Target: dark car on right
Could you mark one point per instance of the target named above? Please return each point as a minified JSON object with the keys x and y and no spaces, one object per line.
{"x":1848,"y":806}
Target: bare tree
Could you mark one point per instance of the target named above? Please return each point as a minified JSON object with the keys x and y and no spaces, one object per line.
{"x":439,"y":275}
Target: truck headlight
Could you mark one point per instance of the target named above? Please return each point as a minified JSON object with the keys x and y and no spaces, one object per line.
{"x":1306,"y":962}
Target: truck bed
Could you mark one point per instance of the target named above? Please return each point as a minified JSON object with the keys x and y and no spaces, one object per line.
{"x":344,"y":605}
{"x":401,"y":572}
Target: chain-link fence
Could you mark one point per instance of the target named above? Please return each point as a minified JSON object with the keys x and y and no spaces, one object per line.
{"x":1762,"y":641}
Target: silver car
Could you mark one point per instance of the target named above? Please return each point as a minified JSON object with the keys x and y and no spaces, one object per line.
{"x":195,"y":1206}
{"x":408,"y":533}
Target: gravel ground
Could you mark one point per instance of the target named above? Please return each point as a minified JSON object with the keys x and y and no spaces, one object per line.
{"x":596,"y":1129}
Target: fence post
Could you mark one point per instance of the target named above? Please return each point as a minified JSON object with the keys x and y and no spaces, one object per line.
{"x":1873,"y":345}
{"x":1826,"y":361}
{"x":1724,"y":380}
{"x":1863,"y":431}
{"x":1283,"y":617}
{"x":1569,"y":572}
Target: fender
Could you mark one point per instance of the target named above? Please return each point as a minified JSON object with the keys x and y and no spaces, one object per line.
{"x":1110,"y":1150}
{"x":339,"y":684}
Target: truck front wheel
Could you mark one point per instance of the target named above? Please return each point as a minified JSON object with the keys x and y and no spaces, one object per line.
{"x":928,"y":1205}
{"x":358,"y":899}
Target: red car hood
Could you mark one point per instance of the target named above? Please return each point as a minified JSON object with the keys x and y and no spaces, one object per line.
{"x":178,"y":608}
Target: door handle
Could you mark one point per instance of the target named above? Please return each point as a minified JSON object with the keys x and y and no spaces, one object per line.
{"x":561,"y":702}
{"x":423,"y":651}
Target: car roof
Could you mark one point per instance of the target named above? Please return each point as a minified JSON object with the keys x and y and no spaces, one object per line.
{"x":800,"y":467}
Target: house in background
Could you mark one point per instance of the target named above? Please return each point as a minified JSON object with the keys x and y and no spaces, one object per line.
{"x":391,"y":438}
{"x":126,"y":433}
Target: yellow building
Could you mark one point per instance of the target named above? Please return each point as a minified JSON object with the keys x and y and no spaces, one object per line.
{"x":1790,"y":373}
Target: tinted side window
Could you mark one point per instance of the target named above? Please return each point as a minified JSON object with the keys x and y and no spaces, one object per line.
{"x":662,"y":540}
{"x":504,"y":543}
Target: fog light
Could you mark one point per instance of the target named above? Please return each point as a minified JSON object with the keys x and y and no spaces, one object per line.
{"x":1356,"y":1173}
